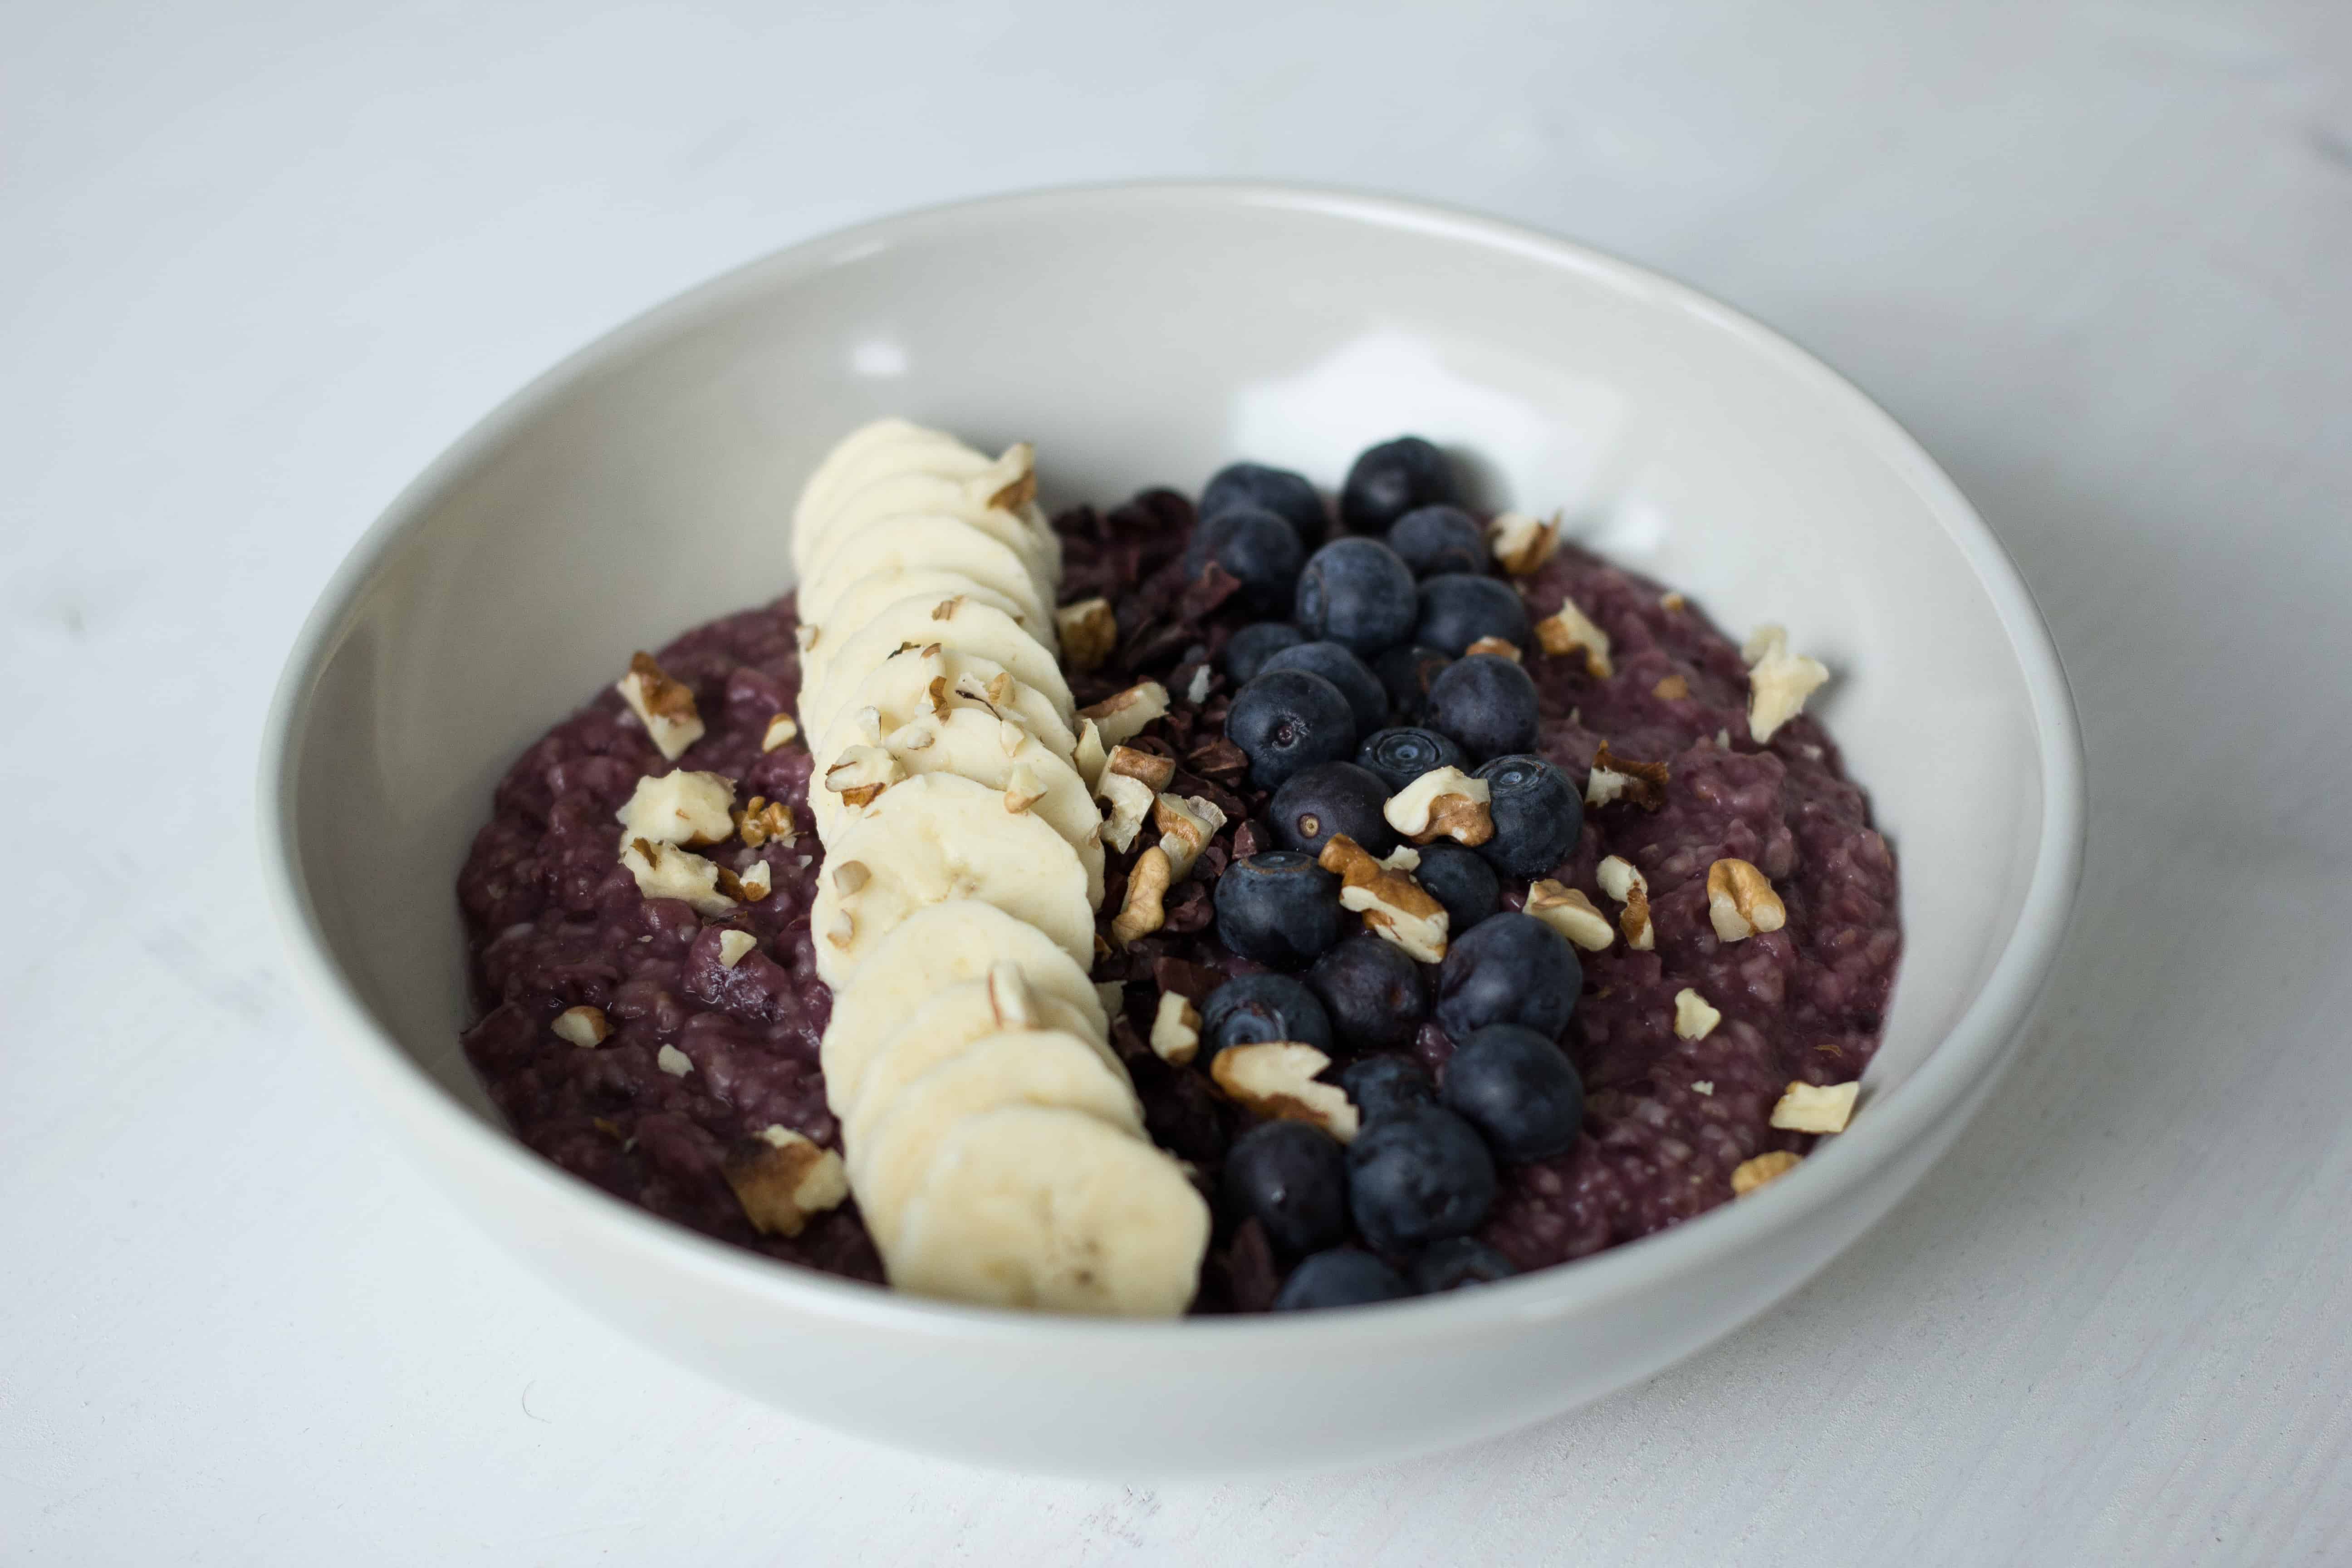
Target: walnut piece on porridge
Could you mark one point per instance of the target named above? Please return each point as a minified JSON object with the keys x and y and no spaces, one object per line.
{"x":665,"y":707}
{"x":1090,"y":758}
{"x":1568,"y":912}
{"x":1130,"y":801}
{"x":762,"y":819}
{"x":581,"y":1027}
{"x":1750,"y":1175}
{"x":1623,"y":881}
{"x":1567,"y":630}
{"x":1616,"y":778}
{"x":1694,"y":1016}
{"x":1444,"y":802}
{"x":1186,"y":825}
{"x":1740,"y":901}
{"x":673,"y":1061}
{"x":1778,"y":681}
{"x":734,"y":946}
{"x":1141,"y":912}
{"x":1521,"y":543}
{"x":1812,"y":1108}
{"x":1122,"y":715}
{"x":1395,"y":908}
{"x":1275,"y":1079}
{"x":1089,"y":632}
{"x":782,"y":731}
{"x":783,"y":1180}
{"x":666,"y":871}
{"x":680,"y":807}
{"x":1176,"y":1029}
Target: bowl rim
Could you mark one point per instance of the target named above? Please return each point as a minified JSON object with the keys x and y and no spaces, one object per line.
{"x":1969,"y":1054}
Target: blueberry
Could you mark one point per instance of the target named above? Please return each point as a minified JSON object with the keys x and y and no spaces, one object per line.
{"x":1401,"y":755}
{"x":1278,"y":908}
{"x":1511,"y":969}
{"x":1247,"y":649}
{"x":1393,"y":478}
{"x":1294,"y":1178}
{"x":1519,"y":1088}
{"x":1458,"y":1261}
{"x":1208,"y":533}
{"x":1460,"y":878}
{"x":1278,"y":490}
{"x":1343,"y":1277}
{"x":1373,"y":991}
{"x":1384,"y":1085}
{"x":1406,"y":671}
{"x":1253,"y":1007}
{"x":1437,"y":539}
{"x":1537,"y":815}
{"x":1457,"y":609}
{"x":1287,"y":719}
{"x":1368,"y":699}
{"x":1264,"y":553}
{"x":1315,"y":803}
{"x":1487,"y":703}
{"x":1419,"y":1177}
{"x":1356,"y":591}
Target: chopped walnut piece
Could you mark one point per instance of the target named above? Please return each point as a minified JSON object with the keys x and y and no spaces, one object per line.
{"x":1444,"y":802}
{"x":1567,"y":629}
{"x":1672,"y":602}
{"x":1812,"y":1108}
{"x":1009,"y":1002}
{"x":1023,"y":789}
{"x":1673,"y":689}
{"x":1778,"y":681}
{"x":1750,"y":1175}
{"x":1089,"y":632}
{"x":1186,"y":825}
{"x":665,"y":707}
{"x":1694,"y":1016}
{"x":1130,"y":801}
{"x":673,"y":1061}
{"x":1740,"y":901}
{"x":1501,"y":647}
{"x":1395,"y":908}
{"x":1275,"y":1078}
{"x":850,"y":877}
{"x":1122,"y":715}
{"x":945,"y":610}
{"x":581,"y":1027}
{"x":762,"y":819}
{"x":1020,"y":488}
{"x":1522,"y":543}
{"x":783,"y":1180}
{"x":861,"y":773}
{"x":918,"y":735}
{"x":1568,"y":912}
{"x":1403,"y":858}
{"x":1617,"y":778}
{"x":1141,"y":914}
{"x":733,"y":945}
{"x":841,"y":930}
{"x":1620,"y":879}
{"x":1196,"y":691}
{"x":757,"y":883}
{"x":936,"y":694}
{"x":666,"y":871}
{"x":1176,"y":1029}
{"x":678,"y":807}
{"x":1153,"y":769}
{"x":782,"y":731}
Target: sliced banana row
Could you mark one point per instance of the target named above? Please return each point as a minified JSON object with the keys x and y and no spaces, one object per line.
{"x":994,"y":1143}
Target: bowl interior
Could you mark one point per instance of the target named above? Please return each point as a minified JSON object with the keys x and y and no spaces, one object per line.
{"x":1141,"y":337}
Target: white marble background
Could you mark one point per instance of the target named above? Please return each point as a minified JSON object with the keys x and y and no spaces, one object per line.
{"x":259,"y":262}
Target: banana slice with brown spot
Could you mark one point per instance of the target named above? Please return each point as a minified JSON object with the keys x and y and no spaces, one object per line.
{"x":911,"y":626}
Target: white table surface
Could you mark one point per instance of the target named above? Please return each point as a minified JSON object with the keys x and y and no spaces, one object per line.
{"x":259,"y":264}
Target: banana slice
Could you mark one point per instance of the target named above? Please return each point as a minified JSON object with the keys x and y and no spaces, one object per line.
{"x":972,"y":743}
{"x":899,"y":692}
{"x":935,"y":837}
{"x":861,"y":601}
{"x":1028,"y":1067}
{"x":930,"y":950}
{"x":888,"y":446}
{"x":893,"y":498}
{"x":1049,"y":1207}
{"x":907,"y":544}
{"x":912,"y":624}
{"x":940,"y":1028}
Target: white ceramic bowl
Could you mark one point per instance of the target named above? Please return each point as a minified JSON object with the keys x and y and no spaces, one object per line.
{"x":1145,"y":335}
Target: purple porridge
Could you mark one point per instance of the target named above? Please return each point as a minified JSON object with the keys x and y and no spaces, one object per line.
{"x":702,"y":1056}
